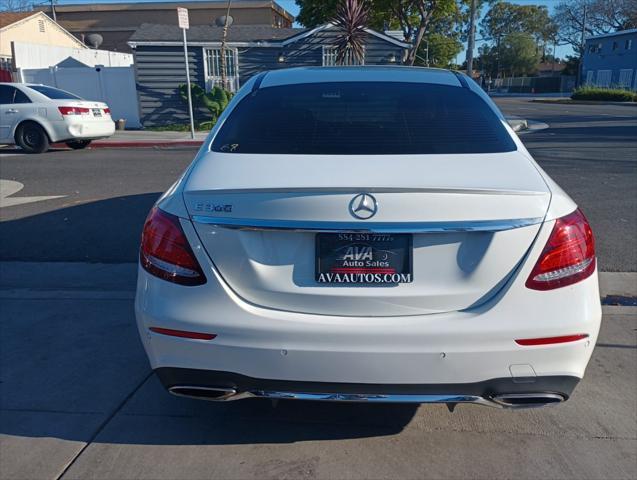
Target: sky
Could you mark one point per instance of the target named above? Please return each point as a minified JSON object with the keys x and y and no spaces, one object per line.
{"x":561,"y":50}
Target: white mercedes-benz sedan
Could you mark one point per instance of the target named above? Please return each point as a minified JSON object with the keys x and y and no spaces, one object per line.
{"x":369,"y":234}
{"x":34,"y":116}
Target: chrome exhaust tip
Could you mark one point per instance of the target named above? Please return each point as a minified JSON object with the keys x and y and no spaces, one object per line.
{"x":215,"y":394}
{"x":527,"y":400}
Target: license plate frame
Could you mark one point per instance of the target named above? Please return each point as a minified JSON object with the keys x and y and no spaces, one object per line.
{"x":97,"y":112}
{"x":363,"y":258}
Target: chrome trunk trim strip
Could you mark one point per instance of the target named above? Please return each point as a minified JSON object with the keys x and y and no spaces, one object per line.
{"x":364,"y":226}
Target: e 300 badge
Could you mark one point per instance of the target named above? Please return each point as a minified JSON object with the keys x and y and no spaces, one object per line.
{"x":212,"y":207}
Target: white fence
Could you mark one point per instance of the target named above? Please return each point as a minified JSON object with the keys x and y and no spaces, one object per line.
{"x":113,"y":85}
{"x":28,"y":56}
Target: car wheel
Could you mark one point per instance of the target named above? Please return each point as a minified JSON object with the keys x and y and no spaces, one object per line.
{"x":32,"y":138}
{"x":78,"y":144}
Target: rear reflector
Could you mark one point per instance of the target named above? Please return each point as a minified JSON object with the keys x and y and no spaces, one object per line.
{"x":568,"y":256}
{"x":527,"y":342}
{"x":165,"y":250}
{"x":183,"y":333}
{"x":74,"y":110}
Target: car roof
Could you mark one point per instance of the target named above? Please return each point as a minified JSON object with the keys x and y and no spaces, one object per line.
{"x":380,"y":73}
{"x":20,"y":84}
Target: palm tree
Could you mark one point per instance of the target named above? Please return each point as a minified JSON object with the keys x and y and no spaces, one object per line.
{"x":351,"y":18}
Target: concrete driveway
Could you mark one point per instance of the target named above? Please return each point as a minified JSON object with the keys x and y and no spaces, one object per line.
{"x":79,"y":401}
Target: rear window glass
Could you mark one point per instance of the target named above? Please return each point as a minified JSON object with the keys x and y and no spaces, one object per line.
{"x":54,"y":93}
{"x":350,"y":118}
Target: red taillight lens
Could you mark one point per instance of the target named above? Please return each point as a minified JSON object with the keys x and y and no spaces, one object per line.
{"x":569,"y":254}
{"x":183,"y":333}
{"x":74,"y":110}
{"x":165,"y":251}
{"x":107,"y":111}
{"x":529,"y":342}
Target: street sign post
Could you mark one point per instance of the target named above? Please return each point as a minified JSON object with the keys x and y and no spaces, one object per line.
{"x":184,"y":24}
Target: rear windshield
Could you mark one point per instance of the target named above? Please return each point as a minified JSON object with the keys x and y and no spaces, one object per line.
{"x":352,"y":118}
{"x":54,"y":93}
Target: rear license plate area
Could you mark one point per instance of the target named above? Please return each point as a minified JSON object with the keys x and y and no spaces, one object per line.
{"x":364,"y":258}
{"x":97,"y":112}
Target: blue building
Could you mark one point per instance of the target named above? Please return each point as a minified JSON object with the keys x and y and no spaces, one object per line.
{"x":611,"y":60}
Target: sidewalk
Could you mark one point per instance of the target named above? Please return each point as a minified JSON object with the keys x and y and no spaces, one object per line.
{"x":149,"y":139}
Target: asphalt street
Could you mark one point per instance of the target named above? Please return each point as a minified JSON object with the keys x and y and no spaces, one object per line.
{"x":590,"y":150}
{"x":78,"y":400}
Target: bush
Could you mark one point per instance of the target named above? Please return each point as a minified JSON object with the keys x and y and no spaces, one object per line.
{"x":605,"y":94}
{"x":215,"y":101}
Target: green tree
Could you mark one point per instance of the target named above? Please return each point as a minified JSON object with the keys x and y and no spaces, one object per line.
{"x":414,"y":17}
{"x":571,"y":66}
{"x":487,"y":61}
{"x":505,"y":18}
{"x":518,"y":54}
{"x":442,"y":50}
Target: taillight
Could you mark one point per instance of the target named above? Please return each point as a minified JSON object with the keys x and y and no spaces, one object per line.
{"x":165,"y":251}
{"x":569,"y":254}
{"x":107,"y":111}
{"x":74,"y":110}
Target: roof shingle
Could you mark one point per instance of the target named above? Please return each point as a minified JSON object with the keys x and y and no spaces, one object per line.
{"x":149,"y":32}
{"x":7,"y":18}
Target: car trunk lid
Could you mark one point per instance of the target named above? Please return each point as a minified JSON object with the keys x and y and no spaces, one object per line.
{"x":472,"y":219}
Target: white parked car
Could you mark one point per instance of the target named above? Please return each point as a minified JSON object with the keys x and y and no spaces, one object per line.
{"x":34,"y":116}
{"x":367,"y":234}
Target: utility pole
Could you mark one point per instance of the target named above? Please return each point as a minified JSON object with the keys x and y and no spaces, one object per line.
{"x":224,"y":76}
{"x":427,"y":52}
{"x":580,"y":70}
{"x":472,"y":39}
{"x":53,"y":11}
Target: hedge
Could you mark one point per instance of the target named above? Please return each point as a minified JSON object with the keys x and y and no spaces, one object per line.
{"x":605,"y":94}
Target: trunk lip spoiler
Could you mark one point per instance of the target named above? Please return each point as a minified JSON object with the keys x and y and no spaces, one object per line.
{"x":364,"y":226}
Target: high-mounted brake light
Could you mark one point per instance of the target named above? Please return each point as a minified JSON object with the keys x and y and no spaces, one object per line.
{"x":165,"y":251}
{"x":74,"y":110}
{"x":568,"y":256}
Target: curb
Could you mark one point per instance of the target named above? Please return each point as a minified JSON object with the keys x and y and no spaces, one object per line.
{"x":148,"y":144}
{"x":534,"y":126}
{"x":620,"y":284}
{"x":517,"y":125}
{"x":568,"y":101}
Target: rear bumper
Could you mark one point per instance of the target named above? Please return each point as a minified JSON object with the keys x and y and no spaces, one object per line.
{"x":78,"y":129}
{"x":392,"y":354}
{"x":498,"y":392}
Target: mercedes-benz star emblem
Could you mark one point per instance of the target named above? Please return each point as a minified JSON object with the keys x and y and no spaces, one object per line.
{"x":363,"y":206}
